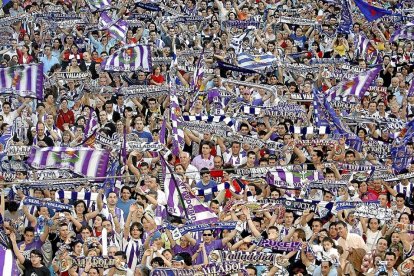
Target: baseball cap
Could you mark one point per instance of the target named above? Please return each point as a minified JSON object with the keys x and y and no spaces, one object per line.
{"x":178,"y":258}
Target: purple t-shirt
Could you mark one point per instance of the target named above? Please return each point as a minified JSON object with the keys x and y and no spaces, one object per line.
{"x":217,"y":244}
{"x":189,"y":249}
{"x":29,"y":247}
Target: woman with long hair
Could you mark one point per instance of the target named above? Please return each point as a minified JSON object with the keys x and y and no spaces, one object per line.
{"x":23,"y":55}
{"x":156,"y":77}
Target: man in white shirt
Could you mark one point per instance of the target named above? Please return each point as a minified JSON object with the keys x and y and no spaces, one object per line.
{"x":190,"y":171}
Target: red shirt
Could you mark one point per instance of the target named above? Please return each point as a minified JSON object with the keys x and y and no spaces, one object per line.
{"x":65,"y":118}
{"x":157,"y":79}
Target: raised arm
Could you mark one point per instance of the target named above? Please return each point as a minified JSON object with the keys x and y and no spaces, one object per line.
{"x":16,"y":250}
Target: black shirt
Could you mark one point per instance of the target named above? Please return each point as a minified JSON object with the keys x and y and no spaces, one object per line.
{"x":29,"y":270}
{"x":56,"y":242}
{"x":48,"y":141}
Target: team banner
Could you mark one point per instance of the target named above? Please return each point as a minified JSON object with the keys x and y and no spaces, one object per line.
{"x":296,"y":205}
{"x":299,"y":97}
{"x":245,"y":139}
{"x":56,"y":16}
{"x":22,"y":80}
{"x":377,"y":148}
{"x":256,"y":172}
{"x":241,"y":24}
{"x":278,"y":245}
{"x":146,"y":146}
{"x":297,"y":21}
{"x":72,"y":195}
{"x":316,"y":142}
{"x":178,"y":232}
{"x":84,"y":161}
{"x":18,"y":150}
{"x":212,"y":269}
{"x":147,"y":6}
{"x":49,"y":174}
{"x":141,"y":91}
{"x":188,"y":19}
{"x":343,"y":205}
{"x":96,"y":261}
{"x":71,"y":75}
{"x":44,"y":203}
{"x":170,"y":10}
{"x":255,"y":258}
{"x":373,"y":210}
{"x":129,"y":59}
{"x":400,"y":177}
{"x":217,"y":129}
{"x":327,"y":184}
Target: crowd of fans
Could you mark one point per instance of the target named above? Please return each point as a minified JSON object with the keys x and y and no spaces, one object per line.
{"x":52,"y":242}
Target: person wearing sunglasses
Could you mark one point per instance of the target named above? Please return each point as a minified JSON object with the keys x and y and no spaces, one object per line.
{"x":210,"y":243}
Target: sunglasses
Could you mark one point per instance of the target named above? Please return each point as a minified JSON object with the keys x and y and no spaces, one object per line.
{"x":207,"y":235}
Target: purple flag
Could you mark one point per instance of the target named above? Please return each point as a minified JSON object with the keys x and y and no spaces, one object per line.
{"x":178,"y":134}
{"x":124,"y":147}
{"x":98,"y":5}
{"x":281,"y":174}
{"x":84,"y":161}
{"x":355,"y":86}
{"x":370,"y":12}
{"x":8,"y":266}
{"x":404,"y":32}
{"x":129,"y":59}
{"x":181,"y":201}
{"x":366,"y":50}
{"x":117,"y":29}
{"x":346,"y":19}
{"x":22,"y":80}
{"x":163,"y":133}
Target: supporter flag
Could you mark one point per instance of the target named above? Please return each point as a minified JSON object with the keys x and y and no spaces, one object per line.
{"x":400,"y":158}
{"x":199,"y":73}
{"x":408,"y":132}
{"x":399,"y":153}
{"x":370,"y":12}
{"x":236,"y":41}
{"x":411,"y":90}
{"x":346,"y":19}
{"x":230,"y":67}
{"x":325,"y":115}
{"x":255,"y":62}
{"x":8,"y":266}
{"x":117,"y":28}
{"x":98,"y":5}
{"x":84,"y":161}
{"x":181,"y":202}
{"x":366,"y":50}
{"x":284,"y":175}
{"x":355,"y":86}
{"x":178,"y":134}
{"x":22,"y":80}
{"x":404,"y":32}
{"x":4,"y":139}
{"x":129,"y":59}
{"x":163,"y":133}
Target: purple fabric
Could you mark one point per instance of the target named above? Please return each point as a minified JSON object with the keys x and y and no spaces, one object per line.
{"x":216,"y":244}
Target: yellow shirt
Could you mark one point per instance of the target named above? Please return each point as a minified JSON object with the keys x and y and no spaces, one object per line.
{"x":340,"y":49}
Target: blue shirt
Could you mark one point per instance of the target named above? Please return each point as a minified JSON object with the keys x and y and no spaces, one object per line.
{"x":99,"y":47}
{"x":207,"y":195}
{"x":144,"y":135}
{"x":48,"y":63}
{"x":124,"y":206}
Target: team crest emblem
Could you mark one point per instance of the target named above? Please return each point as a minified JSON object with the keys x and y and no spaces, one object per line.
{"x":16,"y":73}
{"x":128,"y":56}
{"x":69,"y":156}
